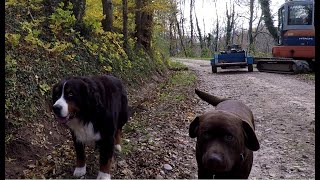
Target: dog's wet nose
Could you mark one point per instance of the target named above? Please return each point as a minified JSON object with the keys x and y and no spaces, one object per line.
{"x":56,"y":109}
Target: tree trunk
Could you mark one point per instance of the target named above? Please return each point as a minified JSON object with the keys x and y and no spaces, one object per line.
{"x":180,"y":37}
{"x":216,"y":37}
{"x":144,"y":25}
{"x":147,"y":25}
{"x":217,"y":30}
{"x":182,"y":27}
{"x":79,"y":8}
{"x":125,"y":25}
{"x":232,"y":35}
{"x":107,"y":21}
{"x":242,"y":32}
{"x":199,"y":32}
{"x":176,"y":42}
{"x":138,"y":32}
{"x":171,"y":44}
{"x":230,"y":24}
{"x":228,"y":29}
{"x":265,"y":7}
{"x":191,"y":23}
{"x":209,"y":40}
{"x":250,"y":25}
{"x":204,"y":33}
{"x":232,"y":19}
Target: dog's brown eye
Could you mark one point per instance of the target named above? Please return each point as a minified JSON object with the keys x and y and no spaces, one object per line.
{"x":206,"y":134}
{"x":228,"y":137}
{"x":70,"y":94}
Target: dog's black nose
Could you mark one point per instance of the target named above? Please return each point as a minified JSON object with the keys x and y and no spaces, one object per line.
{"x":57,"y":109}
{"x":214,"y":160}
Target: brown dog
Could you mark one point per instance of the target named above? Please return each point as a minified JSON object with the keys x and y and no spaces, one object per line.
{"x":225,"y":139}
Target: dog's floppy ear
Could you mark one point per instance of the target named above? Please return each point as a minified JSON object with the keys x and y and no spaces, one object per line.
{"x":194,"y":127}
{"x":95,"y":99}
{"x":251,"y":140}
{"x":93,"y":96}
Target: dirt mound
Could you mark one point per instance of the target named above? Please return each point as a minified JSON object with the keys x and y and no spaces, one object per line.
{"x":21,"y":153}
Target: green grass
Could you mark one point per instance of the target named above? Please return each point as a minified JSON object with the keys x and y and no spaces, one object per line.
{"x":127,"y":147}
{"x":176,"y":64}
{"x":179,"y":97}
{"x":172,"y":90}
{"x":183,"y":78}
{"x":135,"y":126}
{"x":308,"y":76}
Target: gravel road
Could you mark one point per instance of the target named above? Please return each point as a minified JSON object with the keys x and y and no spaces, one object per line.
{"x":284,"y":111}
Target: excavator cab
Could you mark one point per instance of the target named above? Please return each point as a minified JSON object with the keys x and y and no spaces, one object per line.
{"x":296,"y":31}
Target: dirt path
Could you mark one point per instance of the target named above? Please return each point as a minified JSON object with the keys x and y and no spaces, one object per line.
{"x":284,"y":111}
{"x":156,"y":143}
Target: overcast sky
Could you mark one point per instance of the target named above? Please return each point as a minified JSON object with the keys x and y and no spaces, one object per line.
{"x":205,"y":11}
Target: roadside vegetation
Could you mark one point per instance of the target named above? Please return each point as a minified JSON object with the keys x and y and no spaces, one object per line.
{"x":49,"y":40}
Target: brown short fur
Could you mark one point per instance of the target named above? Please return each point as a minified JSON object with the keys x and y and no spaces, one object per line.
{"x":225,"y":139}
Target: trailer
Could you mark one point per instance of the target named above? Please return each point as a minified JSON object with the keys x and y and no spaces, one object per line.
{"x":234,"y":56}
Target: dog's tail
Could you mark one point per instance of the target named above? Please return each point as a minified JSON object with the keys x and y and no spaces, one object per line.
{"x":213,"y":100}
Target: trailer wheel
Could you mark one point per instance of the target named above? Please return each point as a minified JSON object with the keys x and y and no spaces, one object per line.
{"x":214,"y":69}
{"x":250,"y":68}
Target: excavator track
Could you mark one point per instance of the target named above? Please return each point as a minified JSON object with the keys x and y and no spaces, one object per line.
{"x":282,"y":65}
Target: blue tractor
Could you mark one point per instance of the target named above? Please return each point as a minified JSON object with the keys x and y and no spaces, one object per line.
{"x":234,"y":56}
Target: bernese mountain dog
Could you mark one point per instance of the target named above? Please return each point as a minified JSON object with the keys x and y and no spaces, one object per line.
{"x":94,"y":108}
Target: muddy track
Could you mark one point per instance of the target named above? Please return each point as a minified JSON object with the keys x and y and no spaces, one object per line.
{"x":284,"y":111}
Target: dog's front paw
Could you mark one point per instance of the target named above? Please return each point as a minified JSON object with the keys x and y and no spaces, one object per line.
{"x":103,"y":175}
{"x":80,"y":171}
{"x":118,"y":147}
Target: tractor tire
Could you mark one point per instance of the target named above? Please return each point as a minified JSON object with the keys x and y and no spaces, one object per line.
{"x":250,"y":67}
{"x":214,"y":69}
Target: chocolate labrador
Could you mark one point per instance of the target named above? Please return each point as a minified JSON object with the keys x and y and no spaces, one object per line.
{"x":225,"y":139}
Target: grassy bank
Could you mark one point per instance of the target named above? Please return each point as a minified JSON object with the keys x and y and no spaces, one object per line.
{"x":41,"y":49}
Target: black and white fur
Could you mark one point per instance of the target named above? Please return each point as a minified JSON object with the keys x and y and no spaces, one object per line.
{"x":95,"y":109}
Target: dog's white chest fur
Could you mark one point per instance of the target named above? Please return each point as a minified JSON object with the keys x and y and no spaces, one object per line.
{"x":84,"y":133}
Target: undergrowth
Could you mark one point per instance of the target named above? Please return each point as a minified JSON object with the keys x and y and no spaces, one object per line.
{"x":177,"y":80}
{"x":40,"y":49}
